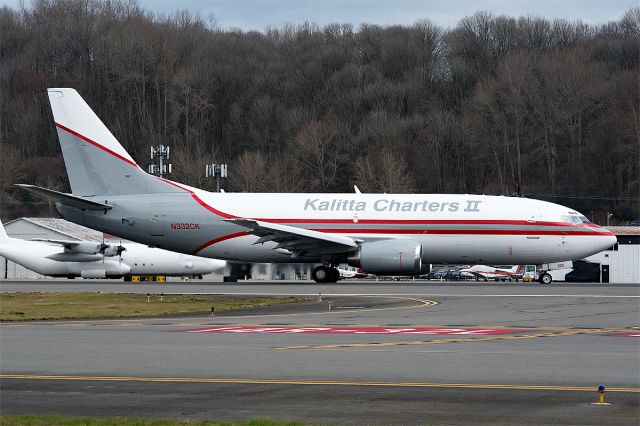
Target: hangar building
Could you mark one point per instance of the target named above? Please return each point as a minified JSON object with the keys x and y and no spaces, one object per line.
{"x":620,"y":263}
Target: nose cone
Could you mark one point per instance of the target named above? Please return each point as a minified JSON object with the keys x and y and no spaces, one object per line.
{"x":605,"y":240}
{"x":610,"y":241}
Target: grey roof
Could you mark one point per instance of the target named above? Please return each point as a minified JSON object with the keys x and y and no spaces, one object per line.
{"x":624,"y":230}
{"x":72,"y":230}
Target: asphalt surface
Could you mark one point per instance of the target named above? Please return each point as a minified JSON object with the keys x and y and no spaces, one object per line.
{"x":501,"y":354}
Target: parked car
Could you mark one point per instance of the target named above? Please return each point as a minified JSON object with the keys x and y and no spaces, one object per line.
{"x":439,"y":274}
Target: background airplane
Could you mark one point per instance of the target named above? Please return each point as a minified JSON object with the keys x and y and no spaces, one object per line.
{"x":487,"y":272}
{"x":349,"y":272}
{"x":90,"y":259}
{"x":384,"y":234}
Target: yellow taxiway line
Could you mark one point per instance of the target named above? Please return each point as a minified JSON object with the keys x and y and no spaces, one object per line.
{"x":316,"y":382}
{"x":442,"y":341}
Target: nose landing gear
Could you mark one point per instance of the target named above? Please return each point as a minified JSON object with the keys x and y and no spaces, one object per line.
{"x":325,"y":274}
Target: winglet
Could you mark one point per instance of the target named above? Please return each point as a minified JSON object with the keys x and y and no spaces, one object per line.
{"x":65,"y":199}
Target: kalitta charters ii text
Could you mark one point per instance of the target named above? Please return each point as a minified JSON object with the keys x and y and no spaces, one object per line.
{"x":390,"y":205}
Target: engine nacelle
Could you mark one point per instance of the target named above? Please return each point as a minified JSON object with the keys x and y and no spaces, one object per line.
{"x":391,"y":257}
{"x":70,"y":256}
{"x":111,"y":250}
{"x":87,"y":247}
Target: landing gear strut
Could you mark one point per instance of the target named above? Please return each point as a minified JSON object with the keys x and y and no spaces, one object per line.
{"x":325,"y":274}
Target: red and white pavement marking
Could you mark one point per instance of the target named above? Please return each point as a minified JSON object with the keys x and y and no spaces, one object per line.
{"x":627,"y":334}
{"x":358,"y":330}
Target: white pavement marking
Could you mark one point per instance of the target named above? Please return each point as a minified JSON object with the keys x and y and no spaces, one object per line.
{"x":577,"y":296}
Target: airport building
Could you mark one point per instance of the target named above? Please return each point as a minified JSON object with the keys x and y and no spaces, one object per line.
{"x":620,"y":264}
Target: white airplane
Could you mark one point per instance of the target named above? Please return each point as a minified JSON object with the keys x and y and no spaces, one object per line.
{"x":486,"y":272}
{"x":386,"y":234}
{"x":90,"y":259}
{"x":348,"y":272}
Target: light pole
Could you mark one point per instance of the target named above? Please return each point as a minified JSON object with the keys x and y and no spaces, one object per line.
{"x":216,"y":171}
{"x":609,"y":216}
{"x":160,"y":157}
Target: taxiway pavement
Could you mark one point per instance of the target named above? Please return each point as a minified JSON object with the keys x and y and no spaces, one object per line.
{"x":407,"y":353}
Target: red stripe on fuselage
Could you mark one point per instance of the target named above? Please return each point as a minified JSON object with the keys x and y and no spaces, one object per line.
{"x":96,"y":144}
{"x":219,"y":239}
{"x":453,"y":231}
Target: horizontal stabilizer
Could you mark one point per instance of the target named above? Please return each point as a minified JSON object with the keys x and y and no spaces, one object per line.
{"x":65,"y":199}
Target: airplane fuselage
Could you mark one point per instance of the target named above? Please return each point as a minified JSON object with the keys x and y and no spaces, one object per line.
{"x":451,"y":228}
{"x":136,"y":260}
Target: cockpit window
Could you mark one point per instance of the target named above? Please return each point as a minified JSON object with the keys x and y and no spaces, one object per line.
{"x":574,"y":220}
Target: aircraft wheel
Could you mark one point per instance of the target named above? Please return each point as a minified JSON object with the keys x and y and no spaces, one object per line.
{"x":325,"y":274}
{"x":545,"y":278}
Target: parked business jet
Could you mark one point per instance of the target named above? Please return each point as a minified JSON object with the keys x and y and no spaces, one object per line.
{"x":90,"y":259}
{"x":391,"y":234}
{"x":486,"y":272}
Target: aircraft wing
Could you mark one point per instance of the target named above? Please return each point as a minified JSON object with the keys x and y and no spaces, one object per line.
{"x":297,"y":241}
{"x":72,"y":245}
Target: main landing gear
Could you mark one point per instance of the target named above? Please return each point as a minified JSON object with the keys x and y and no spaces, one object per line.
{"x":325,"y":274}
{"x":545,"y":278}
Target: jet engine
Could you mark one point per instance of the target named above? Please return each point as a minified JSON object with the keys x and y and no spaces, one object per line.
{"x":390,"y":257}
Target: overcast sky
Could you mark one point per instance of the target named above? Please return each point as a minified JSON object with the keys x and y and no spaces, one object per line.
{"x":259,"y":14}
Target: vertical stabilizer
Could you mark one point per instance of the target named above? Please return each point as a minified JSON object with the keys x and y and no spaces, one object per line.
{"x":96,"y":163}
{"x":3,"y":233}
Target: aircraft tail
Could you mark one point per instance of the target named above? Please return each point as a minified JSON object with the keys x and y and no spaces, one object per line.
{"x":96,"y":163}
{"x":3,"y":234}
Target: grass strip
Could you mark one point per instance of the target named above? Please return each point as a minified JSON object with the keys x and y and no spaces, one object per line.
{"x":27,"y":306}
{"x":129,"y":421}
